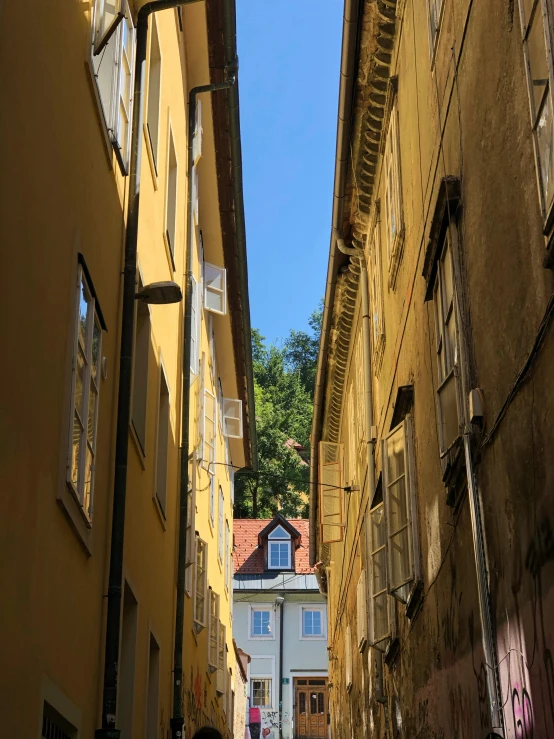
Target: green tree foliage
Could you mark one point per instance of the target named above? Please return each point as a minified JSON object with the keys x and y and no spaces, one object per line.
{"x":284,"y":379}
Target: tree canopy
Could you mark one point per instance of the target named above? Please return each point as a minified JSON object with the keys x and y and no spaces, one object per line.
{"x":284,"y":380}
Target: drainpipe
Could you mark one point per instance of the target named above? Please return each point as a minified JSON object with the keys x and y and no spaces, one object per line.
{"x":115,"y":583}
{"x":485,"y":608}
{"x":177,"y":720}
{"x":281,"y":602}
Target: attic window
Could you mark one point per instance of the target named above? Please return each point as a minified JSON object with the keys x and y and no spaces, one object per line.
{"x":279,"y":549}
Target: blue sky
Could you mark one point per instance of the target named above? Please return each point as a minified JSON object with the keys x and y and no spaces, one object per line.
{"x":289,"y":56}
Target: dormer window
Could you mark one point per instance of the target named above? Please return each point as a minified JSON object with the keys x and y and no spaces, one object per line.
{"x":279,"y":549}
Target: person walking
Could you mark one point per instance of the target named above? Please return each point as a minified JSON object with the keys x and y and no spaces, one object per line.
{"x":255,"y":722}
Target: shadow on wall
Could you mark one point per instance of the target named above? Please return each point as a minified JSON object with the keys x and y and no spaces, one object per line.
{"x":207,"y":733}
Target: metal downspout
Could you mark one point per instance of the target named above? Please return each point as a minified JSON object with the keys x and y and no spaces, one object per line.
{"x":281,"y":629}
{"x":485,"y":610}
{"x":351,"y":27}
{"x":115,"y":582}
{"x":178,"y":719}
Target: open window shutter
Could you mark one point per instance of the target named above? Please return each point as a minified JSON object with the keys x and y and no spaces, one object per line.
{"x":330,"y":492}
{"x":221,"y":666}
{"x":194,"y":328}
{"x":348,"y":658}
{"x":397,"y":513}
{"x":109,"y":14}
{"x":191,"y":523}
{"x":200,"y":404}
{"x":215,"y":290}
{"x":361,"y":611}
{"x":194,"y":186}
{"x":197,"y":141}
{"x":232,"y":418}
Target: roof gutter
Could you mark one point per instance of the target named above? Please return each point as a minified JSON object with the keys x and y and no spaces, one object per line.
{"x":348,"y":69}
{"x":231,"y":62}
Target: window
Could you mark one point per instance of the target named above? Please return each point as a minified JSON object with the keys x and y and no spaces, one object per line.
{"x":261,"y":622}
{"x":361,"y":611}
{"x":378,"y":558}
{"x":232,"y":418}
{"x":227,"y":555}
{"x":195,"y":327}
{"x":376,"y":285}
{"x":163,"y":442}
{"x":213,"y":641}
{"x":348,"y":658}
{"x":54,"y":725}
{"x":221,"y":661}
{"x":393,"y":221}
{"x":220,"y":528}
{"x":194,"y":194}
{"x":447,"y":350}
{"x":154,"y":91}
{"x":171,"y":198}
{"x":279,"y":549}
{"x":313,"y":623}
{"x":197,"y":140}
{"x":212,"y":500}
{"x":87,"y":357}
{"x":200,"y":585}
{"x":538,"y":58}
{"x":435,"y":11}
{"x":261,"y":692}
{"x":191,"y":520}
{"x":399,"y":501}
{"x":330,"y":492}
{"x":140,"y":372}
{"x":215,"y":297}
{"x":209,"y":431}
{"x":152,"y":697}
{"x":113,"y":66}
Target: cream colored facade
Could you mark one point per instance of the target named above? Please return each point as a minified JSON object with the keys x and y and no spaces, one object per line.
{"x":66,"y":130}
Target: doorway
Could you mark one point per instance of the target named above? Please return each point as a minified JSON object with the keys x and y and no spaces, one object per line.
{"x":311,"y":705}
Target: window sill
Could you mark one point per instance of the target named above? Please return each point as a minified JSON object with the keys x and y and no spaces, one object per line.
{"x":261,"y":638}
{"x":151,"y":160}
{"x":313,"y":638}
{"x":72,"y":510}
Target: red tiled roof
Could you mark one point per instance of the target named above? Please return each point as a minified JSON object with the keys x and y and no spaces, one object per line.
{"x":248,"y":558}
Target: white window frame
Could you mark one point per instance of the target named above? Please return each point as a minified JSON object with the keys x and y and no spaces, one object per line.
{"x":162,"y":444}
{"x":435,"y":14}
{"x":200,"y":583}
{"x":221,"y":661}
{"x":400,"y":586}
{"x":536,"y":110}
{"x":280,"y":540}
{"x":198,"y":130}
{"x":79,"y":418}
{"x":114,"y":51}
{"x":171,"y":219}
{"x":378,"y":549}
{"x":331,"y":492}
{"x":313,"y":637}
{"x":221,"y":520}
{"x":195,"y":330}
{"x":153,"y":104}
{"x":227,"y":555}
{"x":232,"y":418}
{"x":261,"y":607}
{"x":392,"y":200}
{"x":209,"y":443}
{"x":191,"y":525}
{"x":194,"y":196}
{"x":377,"y":296}
{"x":361,"y":611}
{"x":348,"y":658}
{"x":213,"y":626}
{"x":212,"y":272}
{"x":447,"y":354}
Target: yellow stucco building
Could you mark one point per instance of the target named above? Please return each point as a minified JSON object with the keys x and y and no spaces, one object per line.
{"x":121,"y":170}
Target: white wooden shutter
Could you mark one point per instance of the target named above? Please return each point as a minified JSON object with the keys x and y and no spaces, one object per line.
{"x":194,"y":194}
{"x":215,"y":289}
{"x":221,"y":661}
{"x":232,"y":418}
{"x":191,"y":524}
{"x":108,"y":15}
{"x":361,"y":619}
{"x":195,"y":315}
{"x":197,"y":141}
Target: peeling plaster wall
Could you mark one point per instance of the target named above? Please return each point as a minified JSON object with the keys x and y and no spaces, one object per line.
{"x":473,"y":99}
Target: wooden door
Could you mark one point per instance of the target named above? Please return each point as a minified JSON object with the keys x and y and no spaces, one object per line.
{"x":311,"y":705}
